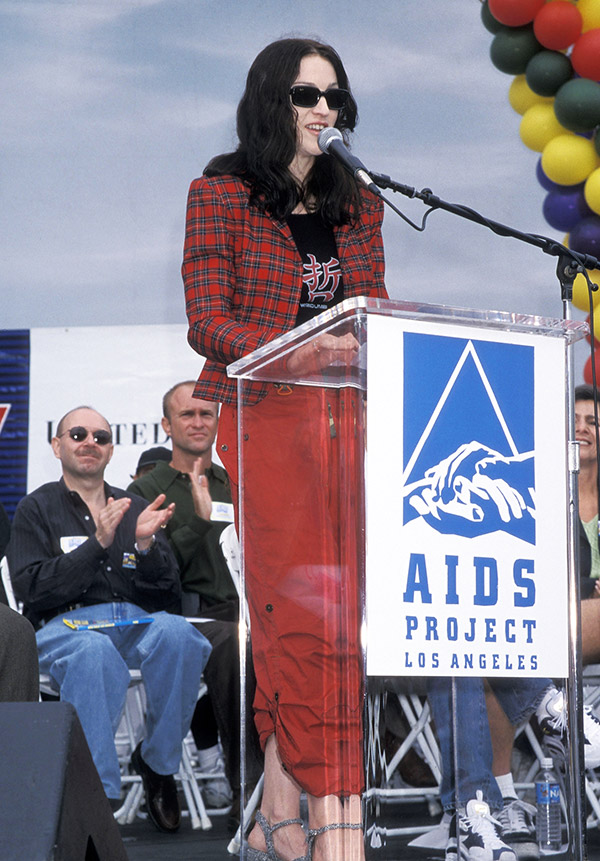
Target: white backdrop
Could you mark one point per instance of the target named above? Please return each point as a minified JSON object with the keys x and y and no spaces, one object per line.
{"x":121,"y":371}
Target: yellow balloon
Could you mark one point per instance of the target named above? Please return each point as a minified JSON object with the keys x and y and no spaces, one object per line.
{"x":569,"y":159}
{"x":596,"y":319}
{"x":581,"y":293}
{"x":539,"y":125}
{"x":590,"y":13}
{"x":522,"y":97}
{"x":591,"y":190}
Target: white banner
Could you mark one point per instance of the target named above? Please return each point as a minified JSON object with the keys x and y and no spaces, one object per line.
{"x":466,"y":502}
{"x":121,"y":371}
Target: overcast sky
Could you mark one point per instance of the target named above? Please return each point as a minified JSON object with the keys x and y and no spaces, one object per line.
{"x":109,"y":108}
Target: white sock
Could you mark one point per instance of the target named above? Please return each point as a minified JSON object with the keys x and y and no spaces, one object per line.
{"x":506,"y":785}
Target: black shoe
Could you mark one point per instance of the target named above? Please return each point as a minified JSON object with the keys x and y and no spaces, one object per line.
{"x":162,"y":803}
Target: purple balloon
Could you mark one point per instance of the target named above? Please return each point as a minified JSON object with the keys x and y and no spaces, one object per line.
{"x":547,"y":183}
{"x":543,"y":180}
{"x":585,"y":236}
{"x":565,"y":207}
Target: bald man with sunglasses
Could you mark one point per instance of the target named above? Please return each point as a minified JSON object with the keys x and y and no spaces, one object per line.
{"x":95,"y":573}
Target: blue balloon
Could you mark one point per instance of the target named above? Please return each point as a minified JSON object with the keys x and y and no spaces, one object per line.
{"x":585,"y":236}
{"x":565,"y":207}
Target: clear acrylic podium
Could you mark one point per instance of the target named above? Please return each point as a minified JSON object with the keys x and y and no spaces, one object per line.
{"x":406,"y":547}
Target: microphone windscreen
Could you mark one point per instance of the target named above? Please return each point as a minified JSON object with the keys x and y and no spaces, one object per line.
{"x":327,"y":136}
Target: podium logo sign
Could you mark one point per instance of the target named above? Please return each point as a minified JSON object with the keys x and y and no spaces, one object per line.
{"x":469,"y":461}
{"x":466,"y":502}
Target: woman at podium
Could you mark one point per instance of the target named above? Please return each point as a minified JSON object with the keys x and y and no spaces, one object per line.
{"x":276,"y":233}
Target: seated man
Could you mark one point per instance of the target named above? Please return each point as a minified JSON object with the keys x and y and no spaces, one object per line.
{"x":149,"y":458}
{"x":200,"y":491}
{"x":19,"y":674}
{"x":81,"y":550}
{"x":486,"y":814}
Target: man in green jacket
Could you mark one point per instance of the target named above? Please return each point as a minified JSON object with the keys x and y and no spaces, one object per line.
{"x":200,"y":490}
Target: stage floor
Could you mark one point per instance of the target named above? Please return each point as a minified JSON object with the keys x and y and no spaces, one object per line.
{"x":144,"y":843}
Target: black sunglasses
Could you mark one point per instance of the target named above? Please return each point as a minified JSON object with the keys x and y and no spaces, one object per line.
{"x":308,"y":97}
{"x":79,"y":434}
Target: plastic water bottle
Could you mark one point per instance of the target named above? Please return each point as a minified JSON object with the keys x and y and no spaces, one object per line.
{"x":548,"y":831}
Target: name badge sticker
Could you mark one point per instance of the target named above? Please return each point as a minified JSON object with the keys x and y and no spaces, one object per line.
{"x":222,"y":511}
{"x":71,"y":542}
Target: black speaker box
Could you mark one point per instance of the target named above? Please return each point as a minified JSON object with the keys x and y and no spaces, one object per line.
{"x":52,"y":803}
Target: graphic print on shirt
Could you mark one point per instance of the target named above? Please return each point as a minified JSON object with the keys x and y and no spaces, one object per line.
{"x":321,"y":280}
{"x":322,"y":284}
{"x":469,"y":464}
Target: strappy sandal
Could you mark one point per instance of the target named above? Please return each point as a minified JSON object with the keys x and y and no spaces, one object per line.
{"x":314,"y":833}
{"x":267,"y":830}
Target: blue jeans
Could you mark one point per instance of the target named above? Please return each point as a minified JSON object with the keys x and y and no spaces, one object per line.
{"x":469,"y":727}
{"x":91,"y":671}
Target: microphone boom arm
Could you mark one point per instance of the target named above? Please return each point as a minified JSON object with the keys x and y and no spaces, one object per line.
{"x":569,"y":262}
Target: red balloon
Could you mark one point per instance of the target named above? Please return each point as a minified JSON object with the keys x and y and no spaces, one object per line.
{"x":515,"y":13}
{"x":587,"y":370}
{"x":557,"y":25}
{"x":585,"y":55}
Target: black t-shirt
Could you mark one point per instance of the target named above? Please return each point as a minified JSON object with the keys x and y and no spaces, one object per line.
{"x":322,"y":284}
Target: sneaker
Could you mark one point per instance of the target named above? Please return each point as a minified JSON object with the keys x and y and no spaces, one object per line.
{"x":517,"y":821}
{"x":478,"y":837}
{"x":216,"y":791}
{"x":552,"y":719}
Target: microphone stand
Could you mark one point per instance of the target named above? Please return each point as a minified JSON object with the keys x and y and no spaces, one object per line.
{"x":568,"y":265}
{"x":569,"y":262}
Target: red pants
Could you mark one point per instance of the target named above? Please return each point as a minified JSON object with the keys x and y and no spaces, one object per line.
{"x":302,"y":537}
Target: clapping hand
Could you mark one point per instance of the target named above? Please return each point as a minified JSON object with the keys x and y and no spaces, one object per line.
{"x":152,"y":518}
{"x":200,"y":491}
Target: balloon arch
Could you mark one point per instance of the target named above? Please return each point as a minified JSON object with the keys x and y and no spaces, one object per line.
{"x":552,"y":50}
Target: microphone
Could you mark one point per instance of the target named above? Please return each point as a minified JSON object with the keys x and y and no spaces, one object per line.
{"x":332,"y":143}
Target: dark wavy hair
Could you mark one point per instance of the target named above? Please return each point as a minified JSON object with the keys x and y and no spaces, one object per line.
{"x":584,"y":392}
{"x":266,"y":128}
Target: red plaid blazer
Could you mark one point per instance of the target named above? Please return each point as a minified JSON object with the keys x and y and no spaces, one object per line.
{"x":242,"y":275}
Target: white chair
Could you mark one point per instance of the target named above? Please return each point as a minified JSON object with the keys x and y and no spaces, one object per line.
{"x":7,"y":583}
{"x":230,"y":546}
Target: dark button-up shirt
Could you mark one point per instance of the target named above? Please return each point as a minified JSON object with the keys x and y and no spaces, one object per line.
{"x":56,"y":561}
{"x":194,"y":541}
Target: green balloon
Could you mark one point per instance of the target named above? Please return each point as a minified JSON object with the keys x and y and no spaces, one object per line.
{"x":489,"y":22}
{"x":512,"y":49}
{"x":597,"y":141}
{"x":577,"y":105}
{"x":547,"y":71}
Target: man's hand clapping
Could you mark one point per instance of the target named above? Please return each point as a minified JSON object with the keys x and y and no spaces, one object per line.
{"x":200,"y":491}
{"x":152,"y":518}
{"x":109,"y":518}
